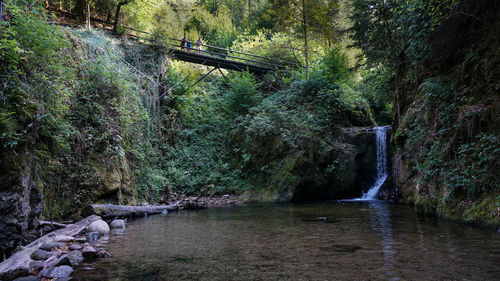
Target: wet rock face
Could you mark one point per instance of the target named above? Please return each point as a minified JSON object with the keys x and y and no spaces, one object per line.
{"x":404,"y":181}
{"x":20,"y":205}
{"x":343,"y":168}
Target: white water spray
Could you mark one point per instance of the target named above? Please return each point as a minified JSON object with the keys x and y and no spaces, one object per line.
{"x":381,"y":143}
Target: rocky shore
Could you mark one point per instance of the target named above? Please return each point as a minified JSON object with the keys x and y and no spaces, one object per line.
{"x":54,"y":255}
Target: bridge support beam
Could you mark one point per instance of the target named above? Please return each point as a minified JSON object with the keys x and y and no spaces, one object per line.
{"x":199,"y":80}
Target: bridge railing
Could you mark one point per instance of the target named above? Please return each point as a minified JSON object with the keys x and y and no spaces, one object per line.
{"x":228,"y":53}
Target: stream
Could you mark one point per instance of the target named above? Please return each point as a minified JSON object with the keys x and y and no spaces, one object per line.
{"x":358,"y":241}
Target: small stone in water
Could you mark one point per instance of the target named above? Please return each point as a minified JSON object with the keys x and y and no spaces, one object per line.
{"x":75,"y":257}
{"x":103,"y":254}
{"x":316,"y":219}
{"x":58,"y":272}
{"x":89,"y":252}
{"x":63,"y":260}
{"x":118,"y":224}
{"x":36,"y":265}
{"x":99,"y":226}
{"x":40,"y":255}
{"x":342,"y":248}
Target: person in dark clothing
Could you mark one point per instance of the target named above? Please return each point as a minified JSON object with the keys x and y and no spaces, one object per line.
{"x":189,"y":45}
{"x":183,"y":42}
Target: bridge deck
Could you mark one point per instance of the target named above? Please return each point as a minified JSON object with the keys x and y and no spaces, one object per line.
{"x":218,"y":62}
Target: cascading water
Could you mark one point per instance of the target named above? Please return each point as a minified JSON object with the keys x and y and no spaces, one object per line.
{"x":381,"y":143}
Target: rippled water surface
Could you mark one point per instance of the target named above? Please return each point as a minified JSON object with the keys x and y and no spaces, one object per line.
{"x":359,"y":241}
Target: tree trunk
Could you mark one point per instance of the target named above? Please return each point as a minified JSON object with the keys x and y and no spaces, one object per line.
{"x":249,"y":7}
{"x":304,"y":25}
{"x":109,"y":211}
{"x":117,"y":18}
{"x":88,"y":14}
{"x":117,"y":15}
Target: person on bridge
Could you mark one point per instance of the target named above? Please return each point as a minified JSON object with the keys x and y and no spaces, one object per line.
{"x":189,"y":46}
{"x":199,"y":42}
{"x":183,"y":42}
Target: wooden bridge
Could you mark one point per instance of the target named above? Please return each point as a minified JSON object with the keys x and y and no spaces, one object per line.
{"x":218,"y":57}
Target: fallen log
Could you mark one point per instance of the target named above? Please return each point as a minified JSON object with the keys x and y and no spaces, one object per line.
{"x":53,"y":223}
{"x":109,"y":211}
{"x":19,"y":264}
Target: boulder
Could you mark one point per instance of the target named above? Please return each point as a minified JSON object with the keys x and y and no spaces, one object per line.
{"x":49,"y":262}
{"x":118,"y":224}
{"x":63,"y":260}
{"x":36,"y":265}
{"x":58,"y":272}
{"x":63,"y":238}
{"x":40,"y":255}
{"x":51,"y":245}
{"x":75,"y":257}
{"x":74,"y":247}
{"x":99,"y":226}
{"x":89,"y":252}
{"x":103,"y":254}
{"x":53,"y":262}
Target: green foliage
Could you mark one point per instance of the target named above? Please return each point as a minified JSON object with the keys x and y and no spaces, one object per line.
{"x":265,"y":43}
{"x":151,"y":183}
{"x":242,"y":94}
{"x":463,"y":165}
{"x":376,"y":89}
{"x":375,"y":32}
{"x":34,"y":81}
{"x":200,"y":157}
{"x":386,"y":29}
{"x":417,"y":19}
{"x":335,"y":65}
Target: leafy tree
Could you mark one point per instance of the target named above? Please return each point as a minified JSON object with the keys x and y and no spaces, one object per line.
{"x":335,"y":65}
{"x":302,"y":18}
{"x":243,"y":93}
{"x":394,"y":33}
{"x":375,"y":87}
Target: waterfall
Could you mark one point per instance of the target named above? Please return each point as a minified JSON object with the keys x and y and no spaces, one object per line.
{"x":381,"y":144}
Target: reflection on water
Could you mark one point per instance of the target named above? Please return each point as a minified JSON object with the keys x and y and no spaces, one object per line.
{"x":356,"y":241}
{"x":380,"y":218}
